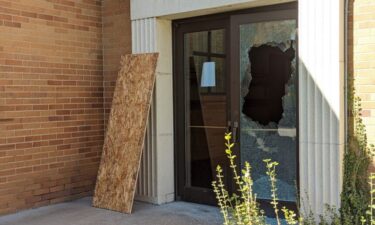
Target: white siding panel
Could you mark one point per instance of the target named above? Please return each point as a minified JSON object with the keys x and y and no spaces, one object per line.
{"x":321,"y":97}
{"x":144,"y":35}
{"x":144,"y":41}
{"x":156,"y":177}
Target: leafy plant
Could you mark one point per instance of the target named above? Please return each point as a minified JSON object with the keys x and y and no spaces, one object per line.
{"x":271,"y":172}
{"x":239,"y":210}
{"x":244,"y":209}
{"x":371,"y":207}
{"x":355,"y":196}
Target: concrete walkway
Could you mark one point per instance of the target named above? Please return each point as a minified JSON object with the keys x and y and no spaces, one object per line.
{"x":80,"y":212}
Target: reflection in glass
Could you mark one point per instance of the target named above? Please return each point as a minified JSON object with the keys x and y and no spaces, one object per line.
{"x":205,"y":106}
{"x":208,"y":75}
{"x":218,"y":38}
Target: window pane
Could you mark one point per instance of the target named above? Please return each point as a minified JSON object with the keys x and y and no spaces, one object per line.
{"x":206,"y":111}
{"x":218,"y":41}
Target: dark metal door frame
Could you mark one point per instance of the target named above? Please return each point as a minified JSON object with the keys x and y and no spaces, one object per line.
{"x":228,"y":21}
{"x":199,"y":195}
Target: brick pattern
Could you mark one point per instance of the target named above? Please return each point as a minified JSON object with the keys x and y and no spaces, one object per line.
{"x":362,"y":49}
{"x":116,"y":42}
{"x":51,"y":101}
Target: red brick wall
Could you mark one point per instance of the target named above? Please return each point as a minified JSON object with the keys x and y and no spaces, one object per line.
{"x":116,"y":42}
{"x":51,"y":101}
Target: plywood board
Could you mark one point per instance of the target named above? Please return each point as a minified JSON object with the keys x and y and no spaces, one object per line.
{"x":122,"y":150}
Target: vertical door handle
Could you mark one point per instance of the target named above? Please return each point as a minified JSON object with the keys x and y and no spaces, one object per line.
{"x":229,"y":127}
{"x":234,"y":131}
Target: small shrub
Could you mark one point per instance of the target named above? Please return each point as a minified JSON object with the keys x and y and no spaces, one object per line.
{"x":371,"y":207}
{"x":244,"y":209}
{"x":355,"y":196}
{"x":237,"y":210}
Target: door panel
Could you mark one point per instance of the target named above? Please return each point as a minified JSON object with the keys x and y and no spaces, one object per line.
{"x":264,"y":65}
{"x":253,"y":93}
{"x":268,"y":104}
{"x":205,"y":111}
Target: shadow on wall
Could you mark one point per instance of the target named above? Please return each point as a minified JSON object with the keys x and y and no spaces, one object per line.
{"x":320,"y":150}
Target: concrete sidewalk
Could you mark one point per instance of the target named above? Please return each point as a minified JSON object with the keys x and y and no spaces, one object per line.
{"x":80,"y":212}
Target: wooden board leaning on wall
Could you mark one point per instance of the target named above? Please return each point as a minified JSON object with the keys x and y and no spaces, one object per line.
{"x":122,"y":150}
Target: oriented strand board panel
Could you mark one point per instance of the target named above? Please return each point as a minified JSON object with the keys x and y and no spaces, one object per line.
{"x":123,"y":144}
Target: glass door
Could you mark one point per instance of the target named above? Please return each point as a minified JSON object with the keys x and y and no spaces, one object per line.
{"x":265,"y":101}
{"x":236,"y":72}
{"x":204,"y":105}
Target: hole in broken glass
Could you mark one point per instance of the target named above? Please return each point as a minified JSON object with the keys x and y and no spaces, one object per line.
{"x":271,"y":69}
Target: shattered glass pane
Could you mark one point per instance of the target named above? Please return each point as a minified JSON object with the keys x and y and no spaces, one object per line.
{"x":269,"y":104}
